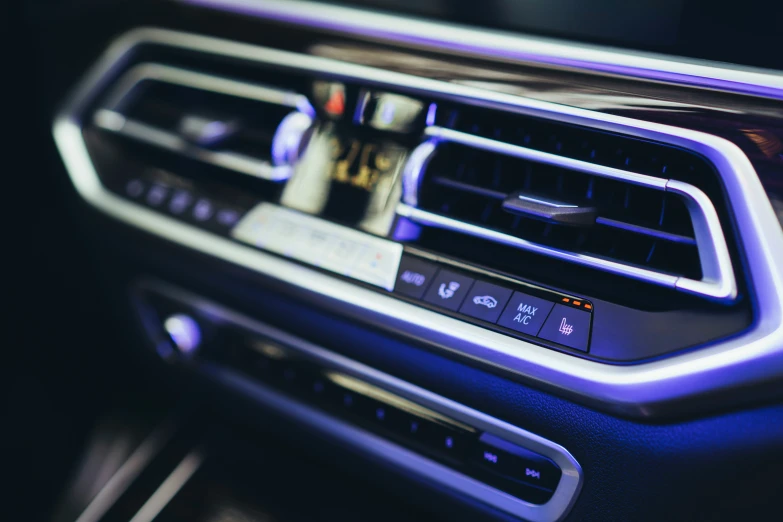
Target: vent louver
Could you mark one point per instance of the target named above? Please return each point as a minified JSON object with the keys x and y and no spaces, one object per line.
{"x":610,"y":202}
{"x":248,"y":129}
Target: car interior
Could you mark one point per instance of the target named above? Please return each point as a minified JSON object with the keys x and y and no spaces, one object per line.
{"x":383,"y":260}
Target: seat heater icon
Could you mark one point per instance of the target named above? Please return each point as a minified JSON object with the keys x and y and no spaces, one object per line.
{"x":565,"y":328}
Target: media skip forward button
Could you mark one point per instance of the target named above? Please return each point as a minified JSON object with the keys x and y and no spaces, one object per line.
{"x":567,"y":326}
{"x":525,"y":313}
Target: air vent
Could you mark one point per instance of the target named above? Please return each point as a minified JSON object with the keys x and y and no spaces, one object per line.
{"x":606,"y":201}
{"x":248,"y":129}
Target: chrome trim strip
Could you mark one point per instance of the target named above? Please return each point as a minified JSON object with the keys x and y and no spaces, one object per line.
{"x":555,"y":509}
{"x":713,"y":251}
{"x":507,"y":46}
{"x":204,"y":82}
{"x":114,"y":122}
{"x":546,"y":202}
{"x":717,"y":283}
{"x":442,"y":135}
{"x":700,"y":378}
{"x":111,"y":119}
{"x":430,"y":219}
{"x":651,"y":232}
{"x":119,"y":483}
{"x":170,"y":487}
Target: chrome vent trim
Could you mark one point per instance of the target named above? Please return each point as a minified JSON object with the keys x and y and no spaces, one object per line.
{"x":110,"y":118}
{"x":718,"y":282}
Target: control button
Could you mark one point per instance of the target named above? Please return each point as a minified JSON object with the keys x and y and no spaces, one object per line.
{"x":156,"y":195}
{"x":134,"y":188}
{"x":184,"y":332}
{"x":485,"y":301}
{"x":227,"y":217}
{"x":567,"y":326}
{"x":441,"y":439}
{"x":525,"y":313}
{"x":180,"y":202}
{"x":516,"y":462}
{"x":448,"y":290}
{"x":414,"y":277}
{"x":203,"y":210}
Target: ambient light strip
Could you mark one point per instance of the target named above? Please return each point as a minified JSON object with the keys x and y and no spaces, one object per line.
{"x":506,"y":46}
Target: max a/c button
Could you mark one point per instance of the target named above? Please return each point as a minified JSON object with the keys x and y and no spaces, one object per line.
{"x":567,"y":326}
{"x":525,"y":313}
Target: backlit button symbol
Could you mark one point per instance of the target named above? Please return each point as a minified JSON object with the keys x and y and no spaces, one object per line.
{"x":134,"y":188}
{"x":156,"y":195}
{"x":485,"y":300}
{"x":532,"y":473}
{"x":449,"y":442}
{"x":227,"y":217}
{"x":413,"y":278}
{"x":565,"y":328}
{"x":179,"y":202}
{"x":380,"y":414}
{"x":447,"y":292}
{"x":203,"y":210}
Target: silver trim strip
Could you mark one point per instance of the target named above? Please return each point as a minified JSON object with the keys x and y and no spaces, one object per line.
{"x":111,"y":119}
{"x":463,"y":138}
{"x":705,"y":377}
{"x":430,"y":219}
{"x":170,"y":487}
{"x":555,"y":509}
{"x":119,"y":483}
{"x":506,"y":46}
{"x":116,"y":123}
{"x":717,"y":283}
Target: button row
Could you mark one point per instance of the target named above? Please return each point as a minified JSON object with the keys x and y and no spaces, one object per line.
{"x":183,"y":203}
{"x":495,"y":304}
{"x":484,"y":456}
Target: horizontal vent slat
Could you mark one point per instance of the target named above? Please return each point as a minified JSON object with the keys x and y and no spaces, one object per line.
{"x":638,"y":225}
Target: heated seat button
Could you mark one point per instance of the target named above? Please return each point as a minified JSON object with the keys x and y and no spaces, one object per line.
{"x":515,"y":462}
{"x":567,"y":326}
{"x":414,"y":277}
{"x":448,"y":290}
{"x":525,"y":313}
{"x":485,"y":301}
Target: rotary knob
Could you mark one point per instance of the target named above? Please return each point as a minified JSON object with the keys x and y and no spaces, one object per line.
{"x":184,"y":331}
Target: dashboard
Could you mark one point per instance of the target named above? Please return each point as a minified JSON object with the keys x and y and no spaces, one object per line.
{"x":519,"y":262}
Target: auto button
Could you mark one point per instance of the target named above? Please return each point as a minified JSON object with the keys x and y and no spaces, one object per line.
{"x":525,"y":313}
{"x":414,"y":277}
